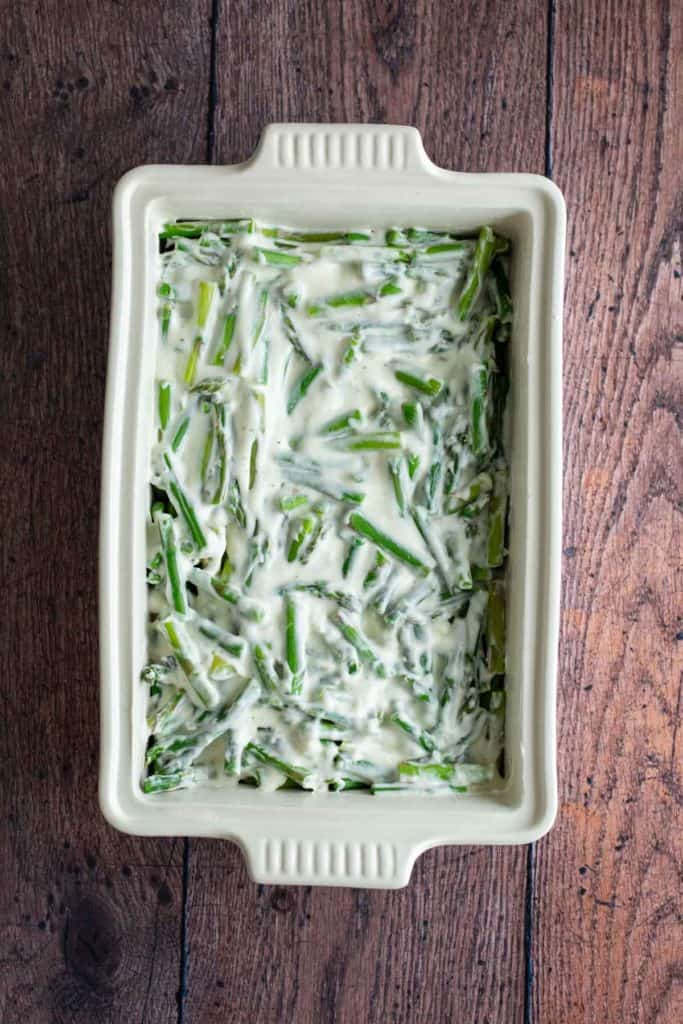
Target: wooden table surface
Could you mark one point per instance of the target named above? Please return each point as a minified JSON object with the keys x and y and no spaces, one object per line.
{"x":586,"y":926}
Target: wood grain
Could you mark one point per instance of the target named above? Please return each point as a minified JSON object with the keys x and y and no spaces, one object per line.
{"x":399,"y":63}
{"x":450,"y":947}
{"x":609,"y":931}
{"x":89,"y":919}
{"x":320,"y":956}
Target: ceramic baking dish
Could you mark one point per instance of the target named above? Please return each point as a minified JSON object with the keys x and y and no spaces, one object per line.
{"x":315,"y":177}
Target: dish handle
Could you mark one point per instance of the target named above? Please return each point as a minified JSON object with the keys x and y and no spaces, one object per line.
{"x":377,"y":864}
{"x":341,"y":148}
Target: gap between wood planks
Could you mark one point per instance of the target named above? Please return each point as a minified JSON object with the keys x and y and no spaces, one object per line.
{"x":531,"y":850}
{"x":213,"y":84}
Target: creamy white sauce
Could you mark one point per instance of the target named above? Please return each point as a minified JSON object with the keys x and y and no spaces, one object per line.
{"x":425,"y":668}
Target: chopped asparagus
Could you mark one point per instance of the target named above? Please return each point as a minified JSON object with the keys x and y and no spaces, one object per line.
{"x":292,"y":634}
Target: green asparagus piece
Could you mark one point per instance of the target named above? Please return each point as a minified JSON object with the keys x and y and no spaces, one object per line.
{"x":230,"y":643}
{"x":305,"y":528}
{"x":184,"y":506}
{"x":396,"y":467}
{"x":196,"y":228}
{"x":413,"y":414}
{"x":264,"y":667}
{"x":300,"y":389}
{"x":170,"y":550}
{"x":413,"y":462}
{"x":380,"y":440}
{"x":191,"y":367}
{"x":190,"y":229}
{"x":354,"y":547}
{"x":207,"y":452}
{"x":373,"y":574}
{"x":293,"y":772}
{"x":390,"y":288}
{"x":487,"y":247}
{"x":225,"y":342}
{"x":440,"y":771}
{"x":261,"y":312}
{"x":162,"y":720}
{"x":352,"y":349}
{"x":366,"y":529}
{"x":433,"y":543}
{"x":235,"y":505}
{"x":354,"y":636}
{"x":316,"y":535}
{"x":292,"y":335}
{"x":164,"y":783}
{"x":293,"y":502}
{"x":220,"y":433}
{"x":396,"y":237}
{"x":307,"y":473}
{"x":164,"y":403}
{"x":441,"y":248}
{"x":293,"y":644}
{"x":179,"y":435}
{"x":427,"y":385}
{"x":420,"y":736}
{"x":208,"y":726}
{"x":338,"y":785}
{"x":344,"y":422}
{"x":166,"y":294}
{"x":257,"y":555}
{"x":423,"y":235}
{"x":386,"y":787}
{"x":345,"y":299}
{"x":479,"y":384}
{"x":319,"y":588}
{"x":355,"y":298}
{"x":277,"y":258}
{"x":245,"y":606}
{"x":199,"y":687}
{"x":206,"y":293}
{"x":310,"y":237}
{"x":253,"y":463}
{"x":473,"y":498}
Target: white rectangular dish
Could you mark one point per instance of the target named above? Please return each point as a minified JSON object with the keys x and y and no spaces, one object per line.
{"x":323,"y":177}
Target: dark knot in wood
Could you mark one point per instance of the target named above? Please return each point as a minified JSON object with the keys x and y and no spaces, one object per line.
{"x":93,"y":943}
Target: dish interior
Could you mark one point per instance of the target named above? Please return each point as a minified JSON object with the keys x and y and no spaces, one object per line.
{"x":359,"y":210}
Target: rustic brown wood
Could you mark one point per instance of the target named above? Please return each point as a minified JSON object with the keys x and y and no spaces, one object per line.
{"x":399,"y":63}
{"x":609,"y":941}
{"x":451,"y":946}
{"x":89,"y":919}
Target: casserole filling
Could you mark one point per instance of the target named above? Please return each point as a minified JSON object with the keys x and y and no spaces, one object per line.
{"x":327,"y":524}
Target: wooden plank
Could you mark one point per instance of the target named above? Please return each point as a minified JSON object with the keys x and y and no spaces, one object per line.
{"x":393,"y":63}
{"x":450,"y":947}
{"x":89,"y":919}
{"x":609,"y":935}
